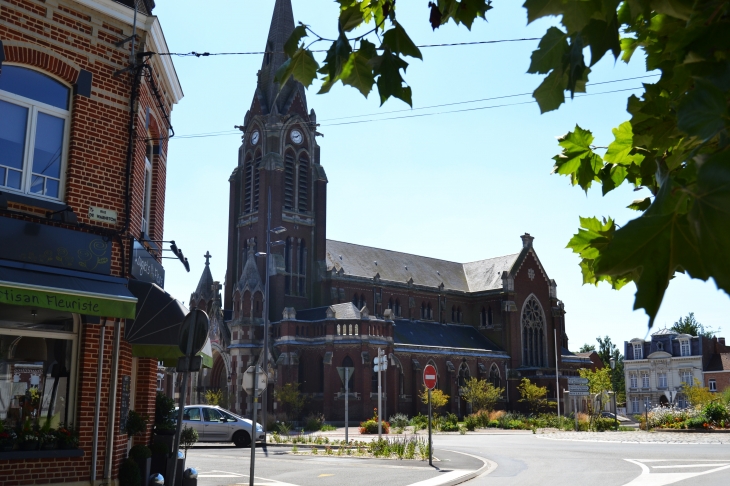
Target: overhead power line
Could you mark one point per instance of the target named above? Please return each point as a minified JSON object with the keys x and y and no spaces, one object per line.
{"x":233,"y":132}
{"x":253,"y":53}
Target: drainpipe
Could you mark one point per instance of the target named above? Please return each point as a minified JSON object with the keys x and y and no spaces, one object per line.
{"x":112,"y":402}
{"x":97,"y":407}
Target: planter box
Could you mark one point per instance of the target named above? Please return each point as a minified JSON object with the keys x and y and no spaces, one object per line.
{"x":20,"y":455}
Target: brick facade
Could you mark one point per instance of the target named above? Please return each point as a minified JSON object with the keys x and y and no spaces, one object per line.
{"x":62,"y":39}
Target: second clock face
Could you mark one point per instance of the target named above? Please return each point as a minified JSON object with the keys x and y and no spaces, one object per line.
{"x":296,"y":136}
{"x":255,"y":137}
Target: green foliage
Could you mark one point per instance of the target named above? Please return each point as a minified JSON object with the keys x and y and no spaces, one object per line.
{"x":140,"y":452}
{"x":399,"y":420}
{"x":291,"y":398}
{"x":447,"y":423}
{"x":606,"y":351}
{"x":438,"y":398}
{"x":587,"y":348}
{"x":188,"y":438}
{"x":314,"y":422}
{"x":471,"y":422}
{"x":419,"y":422}
{"x":675,"y":145}
{"x":689,"y":325}
{"x":164,"y":413}
{"x":697,"y":394}
{"x":533,"y":396}
{"x":602,"y":424}
{"x":136,"y":423}
{"x":129,"y":474}
{"x":482,"y":394}
{"x":214,"y":397}
{"x":716,"y":412}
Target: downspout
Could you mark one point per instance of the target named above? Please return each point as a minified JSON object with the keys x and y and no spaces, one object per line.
{"x":97,"y":406}
{"x":112,"y":402}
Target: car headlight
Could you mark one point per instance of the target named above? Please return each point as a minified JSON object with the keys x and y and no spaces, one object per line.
{"x":259,"y":428}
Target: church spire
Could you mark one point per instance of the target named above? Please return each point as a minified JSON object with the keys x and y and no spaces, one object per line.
{"x":267,"y":89}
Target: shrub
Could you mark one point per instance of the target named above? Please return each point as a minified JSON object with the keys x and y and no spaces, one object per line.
{"x":214,"y":397}
{"x":716,"y":412}
{"x":496,"y":415}
{"x":370,"y":426}
{"x":327,"y":428}
{"x":602,"y":424}
{"x":471,"y":422}
{"x":493,"y":424}
{"x":696,"y":422}
{"x":136,"y":423}
{"x":419,"y":422}
{"x":399,"y":420}
{"x":314,"y":422}
{"x":129,"y":474}
{"x":448,"y":423}
{"x":140,"y":452}
{"x":164,"y":414}
{"x":188,"y":438}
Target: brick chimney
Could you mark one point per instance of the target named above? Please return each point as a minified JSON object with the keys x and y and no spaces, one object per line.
{"x":527,"y":240}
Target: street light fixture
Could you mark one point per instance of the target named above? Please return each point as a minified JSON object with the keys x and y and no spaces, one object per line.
{"x":615,"y":413}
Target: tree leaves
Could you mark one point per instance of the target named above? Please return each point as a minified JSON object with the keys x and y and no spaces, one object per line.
{"x":390,"y":83}
{"x":550,"y":94}
{"x":397,"y":40}
{"x":621,"y":151}
{"x":358,"y":71}
{"x":549,"y":52}
{"x":301,"y":65}
{"x":703,"y":111}
{"x":577,"y":158}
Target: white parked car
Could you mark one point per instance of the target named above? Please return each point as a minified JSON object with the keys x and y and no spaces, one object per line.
{"x":216,"y":424}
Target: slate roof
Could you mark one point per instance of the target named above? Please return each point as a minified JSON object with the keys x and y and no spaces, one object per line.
{"x":665,"y":332}
{"x":366,"y":261}
{"x":419,"y":333}
{"x":205,"y":285}
{"x":719,"y":362}
{"x":342,"y":311}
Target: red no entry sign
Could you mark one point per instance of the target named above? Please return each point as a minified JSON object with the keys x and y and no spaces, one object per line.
{"x":429,"y":376}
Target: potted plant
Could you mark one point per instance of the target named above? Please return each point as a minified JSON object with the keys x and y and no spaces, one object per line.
{"x":48,"y":437}
{"x":164,"y":420}
{"x":141,"y":454}
{"x":160,"y":453}
{"x":129,"y":473}
{"x":67,"y":438}
{"x":8,"y":438}
{"x":29,"y":439}
{"x":188,"y":438}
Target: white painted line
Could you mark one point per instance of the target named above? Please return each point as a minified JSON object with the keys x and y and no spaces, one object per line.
{"x":442,"y":478}
{"x":662,"y":479}
{"x":689,"y":465}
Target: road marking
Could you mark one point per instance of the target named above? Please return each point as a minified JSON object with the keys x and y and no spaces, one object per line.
{"x":662,"y":479}
{"x":442,"y":478}
{"x":324,"y":475}
{"x":689,"y":465}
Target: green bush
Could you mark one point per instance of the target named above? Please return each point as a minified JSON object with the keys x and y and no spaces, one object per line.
{"x":314,"y":422}
{"x":140,"y":452}
{"x":164,"y":414}
{"x":419,"y":422}
{"x":493,"y":424}
{"x":716,"y":412}
{"x":136,"y":423}
{"x":696,"y":422}
{"x":371,"y":427}
{"x":188,"y":438}
{"x":471,"y":422}
{"x":602,"y":424}
{"x":129,"y":474}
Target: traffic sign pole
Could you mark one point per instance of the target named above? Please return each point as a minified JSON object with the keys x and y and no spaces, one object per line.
{"x":347,"y":396}
{"x":430,"y":453}
{"x":380,"y":397}
{"x":429,"y":381}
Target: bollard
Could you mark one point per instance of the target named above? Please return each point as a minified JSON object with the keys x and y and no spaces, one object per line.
{"x":190,"y":477}
{"x":157,"y":480}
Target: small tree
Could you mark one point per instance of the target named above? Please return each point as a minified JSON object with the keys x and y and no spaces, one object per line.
{"x":481,"y":394}
{"x":599,"y":383}
{"x":438,"y":398}
{"x":188,"y":438}
{"x":587,"y":348}
{"x":697,"y":394}
{"x":689,"y":325}
{"x":214,"y":397}
{"x":136,"y":423}
{"x":291,"y":398}
{"x":534,"y":396}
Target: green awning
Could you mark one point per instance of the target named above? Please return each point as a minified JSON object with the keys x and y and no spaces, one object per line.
{"x":78,"y":293}
{"x":170,"y":354}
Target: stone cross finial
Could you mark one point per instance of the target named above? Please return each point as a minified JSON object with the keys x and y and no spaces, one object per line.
{"x":216,"y":287}
{"x":207,"y":256}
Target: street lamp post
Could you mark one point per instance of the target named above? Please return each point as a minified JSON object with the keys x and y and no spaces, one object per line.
{"x":615,"y":413}
{"x":265,"y":358}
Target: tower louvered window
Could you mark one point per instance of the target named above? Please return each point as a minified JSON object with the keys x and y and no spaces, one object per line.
{"x":247,"y":180}
{"x":303,"y":193}
{"x":256,"y":166}
{"x":289,"y":175}
{"x":302,"y":268}
{"x":287,"y":266}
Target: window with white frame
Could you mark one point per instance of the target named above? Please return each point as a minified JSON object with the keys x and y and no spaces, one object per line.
{"x":713,"y":385}
{"x":686,"y":376}
{"x":38,"y":360}
{"x":661,"y":379}
{"x":633,"y":381}
{"x":34,"y":124}
{"x":635,"y":407}
{"x":682,"y":401}
{"x":147,"y":189}
{"x":638,"y":351}
{"x":644,"y":379}
{"x":684,"y":348}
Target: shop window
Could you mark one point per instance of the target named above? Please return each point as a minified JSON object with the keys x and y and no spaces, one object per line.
{"x":38,"y":349}
{"x":34,"y":123}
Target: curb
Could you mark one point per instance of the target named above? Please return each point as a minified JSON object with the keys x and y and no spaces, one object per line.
{"x":487,"y":468}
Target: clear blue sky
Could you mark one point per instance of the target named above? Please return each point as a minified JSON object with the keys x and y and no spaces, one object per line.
{"x":458,"y":186}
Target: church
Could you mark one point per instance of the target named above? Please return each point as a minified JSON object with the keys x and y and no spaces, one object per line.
{"x":335,"y":304}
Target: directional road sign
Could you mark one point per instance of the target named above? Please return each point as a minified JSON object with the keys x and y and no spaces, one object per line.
{"x":429,"y":376}
{"x":578,"y":388}
{"x":576,"y":380}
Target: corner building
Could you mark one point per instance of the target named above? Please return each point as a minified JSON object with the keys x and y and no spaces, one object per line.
{"x":333,"y":304}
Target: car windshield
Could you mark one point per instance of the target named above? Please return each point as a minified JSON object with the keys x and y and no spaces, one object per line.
{"x":228,"y":416}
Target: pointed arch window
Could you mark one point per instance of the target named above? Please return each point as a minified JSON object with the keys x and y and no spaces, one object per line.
{"x":363,"y":302}
{"x":464,"y":374}
{"x":483,"y":317}
{"x":533,"y":333}
{"x":247,"y":181}
{"x":397,"y":308}
{"x":303,"y":189}
{"x":355,"y":300}
{"x":302,"y":277}
{"x":494,"y":376}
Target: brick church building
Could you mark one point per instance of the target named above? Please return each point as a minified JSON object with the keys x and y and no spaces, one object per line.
{"x":333,"y":304}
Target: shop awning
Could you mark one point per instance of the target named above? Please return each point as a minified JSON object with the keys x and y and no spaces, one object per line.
{"x":156,"y":326}
{"x":69,"y":291}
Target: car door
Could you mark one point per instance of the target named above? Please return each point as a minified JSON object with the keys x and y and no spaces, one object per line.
{"x":192,"y":418}
{"x":216,"y":429}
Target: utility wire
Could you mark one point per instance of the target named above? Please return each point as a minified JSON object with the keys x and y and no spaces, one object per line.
{"x":253,"y":53}
{"x":232,"y":132}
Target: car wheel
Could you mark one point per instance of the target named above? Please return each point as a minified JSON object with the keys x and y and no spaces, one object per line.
{"x":241,"y":439}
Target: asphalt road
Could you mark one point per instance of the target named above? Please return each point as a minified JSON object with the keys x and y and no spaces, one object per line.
{"x":521,"y":459}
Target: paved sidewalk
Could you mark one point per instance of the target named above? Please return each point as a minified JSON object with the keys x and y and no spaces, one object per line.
{"x":638,"y":437}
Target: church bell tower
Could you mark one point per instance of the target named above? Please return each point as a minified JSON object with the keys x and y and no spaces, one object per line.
{"x":278,"y":156}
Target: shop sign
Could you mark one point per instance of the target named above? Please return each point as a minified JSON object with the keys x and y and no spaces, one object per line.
{"x":90,"y":305}
{"x":43,"y":244}
{"x":145,"y":267}
{"x":124,"y":409}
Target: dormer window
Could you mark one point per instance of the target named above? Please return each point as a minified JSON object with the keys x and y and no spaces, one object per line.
{"x":660,"y":346}
{"x":638,"y":350}
{"x":684,"y":348}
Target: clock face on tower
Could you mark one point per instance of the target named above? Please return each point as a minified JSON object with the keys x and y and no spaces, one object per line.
{"x":255,"y":137}
{"x":296,"y":136}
